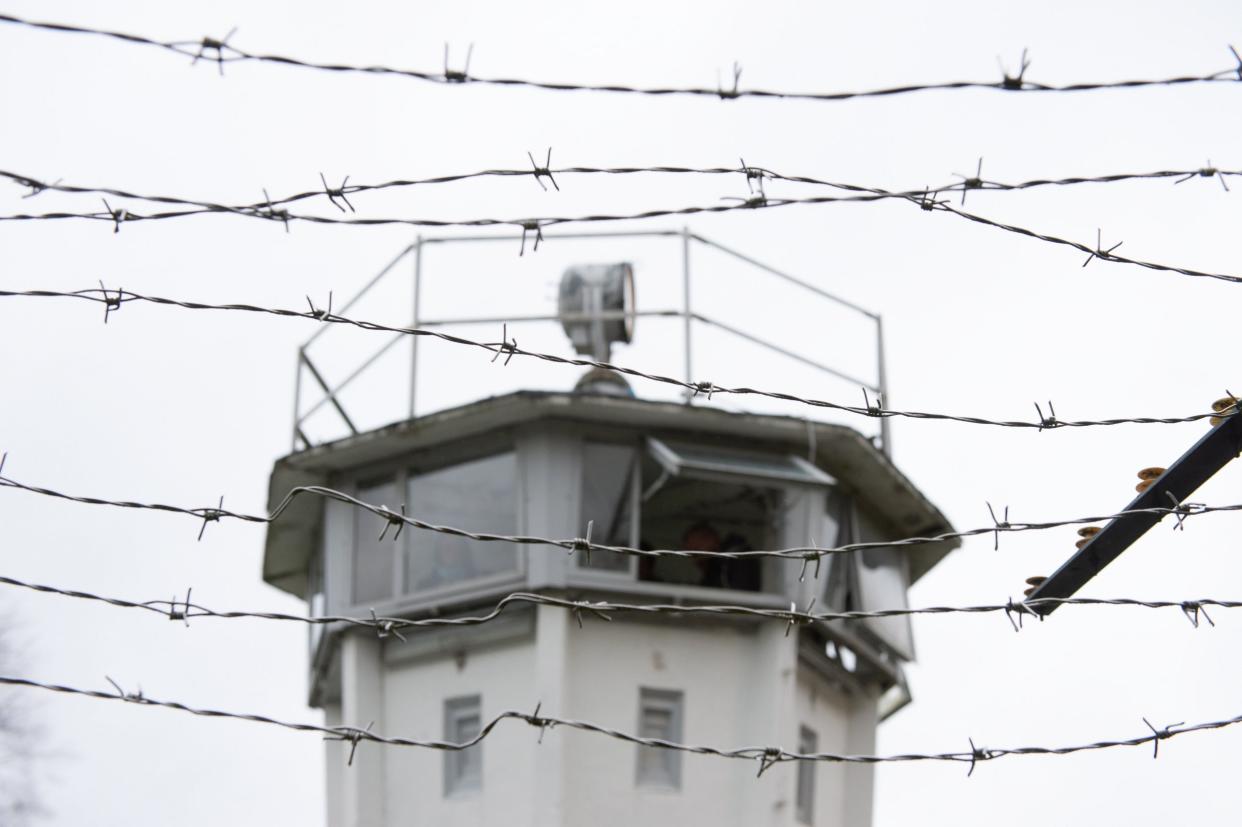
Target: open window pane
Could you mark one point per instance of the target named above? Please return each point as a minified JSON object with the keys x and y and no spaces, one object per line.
{"x":463,"y":769}
{"x":374,"y":559}
{"x":608,"y":476}
{"x":705,"y":462}
{"x":659,"y":716}
{"x":481,"y":496}
{"x":705,"y":515}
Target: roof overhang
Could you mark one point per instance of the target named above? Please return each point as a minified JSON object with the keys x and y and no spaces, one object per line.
{"x":843,"y":452}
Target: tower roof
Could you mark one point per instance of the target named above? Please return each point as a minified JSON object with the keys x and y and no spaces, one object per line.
{"x":844,"y":452}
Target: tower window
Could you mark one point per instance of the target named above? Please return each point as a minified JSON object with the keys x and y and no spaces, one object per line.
{"x":373,"y":559}
{"x":463,"y":769}
{"x":481,"y":494}
{"x":660,"y":717}
{"x":804,"y":798}
{"x":609,"y":487}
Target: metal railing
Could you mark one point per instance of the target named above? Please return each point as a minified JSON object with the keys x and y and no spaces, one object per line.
{"x":689,"y":316}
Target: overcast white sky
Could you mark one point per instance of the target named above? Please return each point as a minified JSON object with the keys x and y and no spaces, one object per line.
{"x":180,"y":407}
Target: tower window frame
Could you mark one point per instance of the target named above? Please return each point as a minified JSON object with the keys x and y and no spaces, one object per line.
{"x":661,"y":713}
{"x":804,"y":790}
{"x":463,"y":769}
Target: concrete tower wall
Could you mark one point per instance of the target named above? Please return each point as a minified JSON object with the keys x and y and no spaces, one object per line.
{"x":701,"y":679}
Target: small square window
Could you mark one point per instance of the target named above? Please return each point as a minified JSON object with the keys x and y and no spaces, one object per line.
{"x":660,"y":716}
{"x":808,"y":743}
{"x":463,"y":769}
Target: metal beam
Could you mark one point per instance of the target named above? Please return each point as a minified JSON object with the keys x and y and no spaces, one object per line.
{"x":788,"y":354}
{"x":332,"y":392}
{"x":767,"y":268}
{"x":357,"y":296}
{"x":1181,"y":479}
{"x":603,"y":315}
{"x":314,"y":372}
{"x":453,"y":239}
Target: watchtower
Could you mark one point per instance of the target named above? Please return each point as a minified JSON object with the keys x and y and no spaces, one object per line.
{"x":646,"y":475}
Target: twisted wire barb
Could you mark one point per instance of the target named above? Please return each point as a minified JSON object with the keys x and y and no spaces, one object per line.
{"x":766,"y":755}
{"x":227,"y":53}
{"x":185,"y":610}
{"x":802,"y":553}
{"x":114,"y":298}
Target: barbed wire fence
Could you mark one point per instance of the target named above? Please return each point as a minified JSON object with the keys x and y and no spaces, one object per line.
{"x":221,"y":51}
{"x":396,"y":519}
{"x":751,"y":173}
{"x":926,"y":200}
{"x":184,"y":609}
{"x":766,"y":756}
{"x":114,"y":299}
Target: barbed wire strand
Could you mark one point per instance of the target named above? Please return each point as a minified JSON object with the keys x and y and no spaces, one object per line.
{"x":765,"y":756}
{"x":751,"y":173}
{"x":114,"y":299}
{"x":925,"y":201}
{"x":807,"y":554}
{"x":185,"y":610}
{"x":221,"y":52}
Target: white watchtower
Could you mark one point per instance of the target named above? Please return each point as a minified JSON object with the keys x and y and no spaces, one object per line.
{"x":646,"y":475}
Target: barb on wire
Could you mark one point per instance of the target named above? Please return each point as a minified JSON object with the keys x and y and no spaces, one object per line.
{"x":110,"y":304}
{"x":1096,"y":252}
{"x":999,"y":526}
{"x":766,"y":755}
{"x":1208,"y":171}
{"x":392,"y":519}
{"x":333,"y":194}
{"x":272,"y":213}
{"x":226,"y":54}
{"x":1099,"y":251}
{"x":1050,"y":421}
{"x":535,"y":226}
{"x":972,"y":182}
{"x":583,"y":544}
{"x":115,"y":216}
{"x":512,"y":349}
{"x":541,"y":172}
{"x":36,"y":187}
{"x":316,"y":313}
{"x":754,"y":176}
{"x":734,"y":93}
{"x":798,"y":553}
{"x":1015,"y":83}
{"x":451,"y":75}
{"x":1182,"y":510}
{"x":211,"y":515}
{"x":173,"y":613}
{"x":210,"y":44}
{"x":505,"y":346}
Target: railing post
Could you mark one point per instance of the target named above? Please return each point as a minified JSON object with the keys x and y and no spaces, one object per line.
{"x":297,"y":401}
{"x":886,"y":435}
{"x":418,"y":275}
{"x":685,"y":293}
